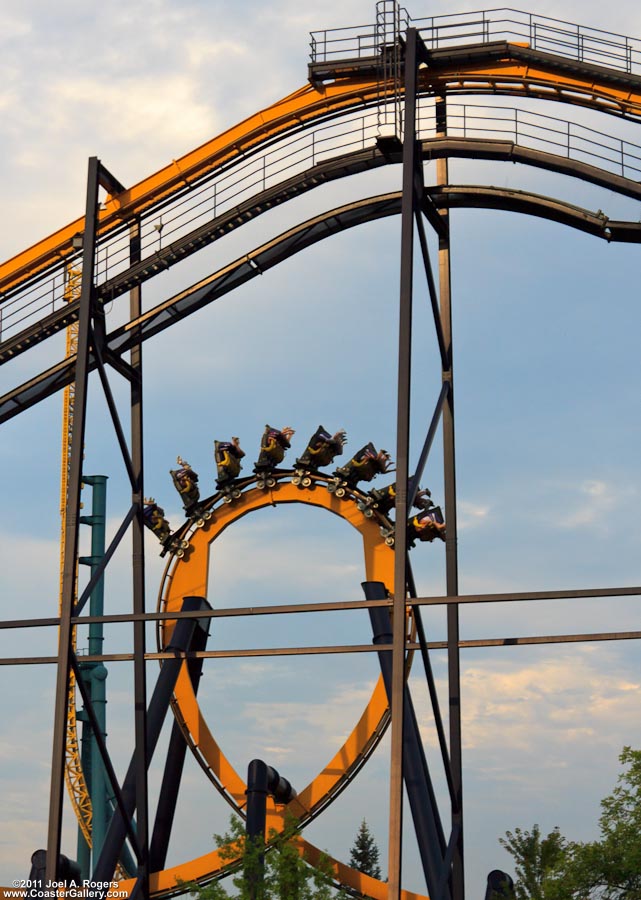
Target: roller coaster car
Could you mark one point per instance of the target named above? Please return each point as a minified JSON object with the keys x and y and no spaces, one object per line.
{"x":320,"y":451}
{"x":380,"y":499}
{"x":384,"y":499}
{"x":154,"y":519}
{"x":364,"y":466}
{"x":273,"y":445}
{"x":426,"y":526}
{"x":186,"y":483}
{"x":228,"y":455}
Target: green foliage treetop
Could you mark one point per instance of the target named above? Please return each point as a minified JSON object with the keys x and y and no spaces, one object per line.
{"x":272,"y":871}
{"x":553,"y":868}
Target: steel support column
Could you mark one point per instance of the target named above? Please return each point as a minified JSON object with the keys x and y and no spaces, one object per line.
{"x":138,"y":574}
{"x":402,"y":469}
{"x":451,"y":546}
{"x":69,"y":579}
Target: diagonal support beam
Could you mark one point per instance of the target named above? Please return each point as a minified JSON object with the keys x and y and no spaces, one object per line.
{"x":113,"y":411}
{"x":413,"y":486}
{"x":431,"y":213}
{"x":418,"y":783}
{"x":174,"y":762}
{"x":104,"y":753}
{"x":102,"y":565}
{"x":109,"y":182}
{"x":181,"y":642}
{"x":438,"y":325}
{"x":431,"y":685}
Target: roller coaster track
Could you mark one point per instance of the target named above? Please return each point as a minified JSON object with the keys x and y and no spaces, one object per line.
{"x":198,"y":184}
{"x":268,"y":255}
{"x":190,"y":574}
{"x":325,"y":130}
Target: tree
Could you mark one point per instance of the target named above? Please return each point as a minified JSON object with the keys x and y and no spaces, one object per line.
{"x":535,"y":857}
{"x":605,"y":869}
{"x":286,"y":874}
{"x":364,"y":853}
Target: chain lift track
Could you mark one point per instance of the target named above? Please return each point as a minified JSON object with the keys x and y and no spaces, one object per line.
{"x":76,"y":784}
{"x":466,"y":54}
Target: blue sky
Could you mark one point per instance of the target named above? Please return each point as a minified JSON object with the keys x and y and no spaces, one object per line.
{"x":546,"y":326}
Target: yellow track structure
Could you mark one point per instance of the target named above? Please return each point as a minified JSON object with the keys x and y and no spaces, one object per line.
{"x":74,"y":777}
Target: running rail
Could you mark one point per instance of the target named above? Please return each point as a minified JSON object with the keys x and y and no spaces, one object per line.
{"x":270,"y":254}
{"x":498,"y":67}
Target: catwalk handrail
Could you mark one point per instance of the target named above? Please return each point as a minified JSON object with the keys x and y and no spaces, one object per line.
{"x":579,"y":42}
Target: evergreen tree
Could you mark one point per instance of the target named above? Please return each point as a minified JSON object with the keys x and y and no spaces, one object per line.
{"x":364,"y":853}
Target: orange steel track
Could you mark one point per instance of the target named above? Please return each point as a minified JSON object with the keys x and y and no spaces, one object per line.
{"x":538,"y":76}
{"x":189,"y":576}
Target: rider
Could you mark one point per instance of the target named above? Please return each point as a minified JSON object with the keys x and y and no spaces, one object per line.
{"x":426,"y":525}
{"x":273,"y":445}
{"x":321,"y":449}
{"x":228,"y":455}
{"x":186,"y":482}
{"x":365,"y":465}
{"x":154,"y":518}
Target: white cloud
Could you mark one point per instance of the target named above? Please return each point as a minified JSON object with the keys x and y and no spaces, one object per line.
{"x":201,"y":51}
{"x":560,"y":701}
{"x":13,"y":26}
{"x":163,"y":109}
{"x":471,"y":515}
{"x":589,"y":502}
{"x":315,"y":728}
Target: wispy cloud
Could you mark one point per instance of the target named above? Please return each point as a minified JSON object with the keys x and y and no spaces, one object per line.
{"x":561,"y":700}
{"x":589,"y":502}
{"x":471,"y":515}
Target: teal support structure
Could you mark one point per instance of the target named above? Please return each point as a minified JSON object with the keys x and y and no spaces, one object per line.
{"x":94,"y":676}
{"x":83,"y":854}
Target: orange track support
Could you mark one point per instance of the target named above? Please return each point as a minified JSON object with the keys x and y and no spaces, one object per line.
{"x":189,"y":576}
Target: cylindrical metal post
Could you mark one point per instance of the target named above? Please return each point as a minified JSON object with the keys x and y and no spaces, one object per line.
{"x":261,"y":781}
{"x":99,"y":817}
{"x":97,"y":674}
{"x":257,"y":790}
{"x":97,"y":521}
{"x":83,"y":853}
